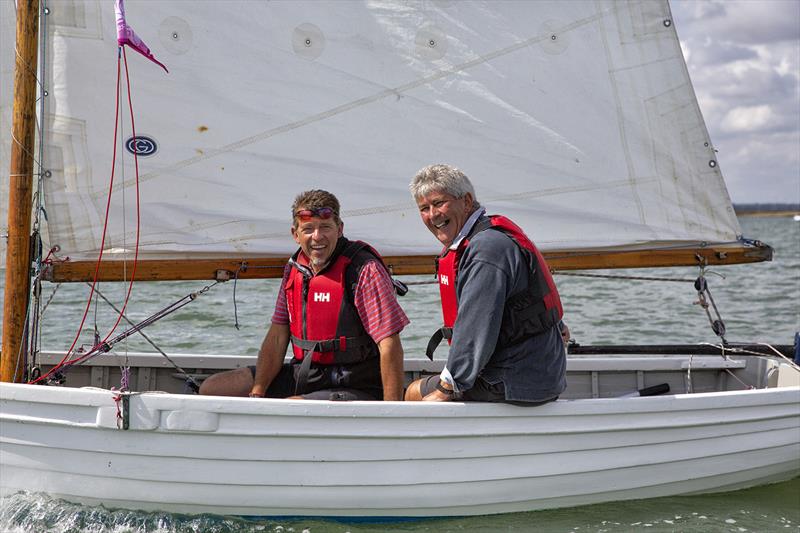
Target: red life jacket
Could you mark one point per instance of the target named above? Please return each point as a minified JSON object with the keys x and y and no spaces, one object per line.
{"x":526,"y":313}
{"x":336,"y":334}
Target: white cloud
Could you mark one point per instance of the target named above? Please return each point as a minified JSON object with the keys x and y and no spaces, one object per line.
{"x":747,"y":118}
{"x":744,"y":61}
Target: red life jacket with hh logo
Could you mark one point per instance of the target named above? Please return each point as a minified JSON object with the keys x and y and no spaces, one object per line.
{"x":526,"y":313}
{"x":335,"y":334}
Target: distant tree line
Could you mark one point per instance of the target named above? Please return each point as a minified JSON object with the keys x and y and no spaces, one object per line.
{"x":766,"y":208}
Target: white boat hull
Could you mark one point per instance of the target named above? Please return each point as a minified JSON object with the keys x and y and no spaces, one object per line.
{"x":190,"y":454}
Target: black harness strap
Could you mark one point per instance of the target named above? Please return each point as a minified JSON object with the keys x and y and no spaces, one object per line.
{"x":351,"y":344}
{"x":436,"y":339}
{"x":342,"y":344}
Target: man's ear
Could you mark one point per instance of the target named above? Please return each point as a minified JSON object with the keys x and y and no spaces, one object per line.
{"x":341,"y":229}
{"x":469,"y":201}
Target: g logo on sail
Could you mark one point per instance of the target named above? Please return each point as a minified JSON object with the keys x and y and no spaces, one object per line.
{"x":141,"y":145}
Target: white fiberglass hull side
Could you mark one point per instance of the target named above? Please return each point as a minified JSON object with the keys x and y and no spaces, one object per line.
{"x":279,"y":457}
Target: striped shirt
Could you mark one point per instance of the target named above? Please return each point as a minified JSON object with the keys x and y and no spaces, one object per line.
{"x":374,"y":298}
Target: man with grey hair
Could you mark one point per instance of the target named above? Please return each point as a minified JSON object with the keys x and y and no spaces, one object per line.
{"x":502,"y":312}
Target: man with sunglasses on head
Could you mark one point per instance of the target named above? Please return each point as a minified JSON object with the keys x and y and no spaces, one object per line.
{"x":502,"y":312}
{"x":337,"y":306}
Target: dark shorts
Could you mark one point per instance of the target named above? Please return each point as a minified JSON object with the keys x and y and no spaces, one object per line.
{"x":482,"y":391}
{"x":360,"y":381}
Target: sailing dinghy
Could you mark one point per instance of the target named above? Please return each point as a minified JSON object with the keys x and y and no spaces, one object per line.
{"x":576,"y":119}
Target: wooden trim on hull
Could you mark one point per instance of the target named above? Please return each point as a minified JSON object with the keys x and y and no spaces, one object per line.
{"x":272,"y":267}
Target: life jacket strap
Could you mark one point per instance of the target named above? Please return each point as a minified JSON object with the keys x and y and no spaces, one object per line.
{"x":302,"y":373}
{"x":350,"y":350}
{"x":436,"y":339}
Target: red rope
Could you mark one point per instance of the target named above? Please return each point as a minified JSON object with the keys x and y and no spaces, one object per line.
{"x":64,"y":361}
{"x":138,"y":225}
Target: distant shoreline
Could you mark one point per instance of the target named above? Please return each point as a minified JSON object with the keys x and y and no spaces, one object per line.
{"x":767,"y":210}
{"x":771,"y":214}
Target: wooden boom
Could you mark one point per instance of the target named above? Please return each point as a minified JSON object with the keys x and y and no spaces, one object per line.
{"x":272,"y":267}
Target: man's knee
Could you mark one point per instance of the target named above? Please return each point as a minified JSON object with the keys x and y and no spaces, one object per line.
{"x":236,"y":382}
{"x":413,"y":392}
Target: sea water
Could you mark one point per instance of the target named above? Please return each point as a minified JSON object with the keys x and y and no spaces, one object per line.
{"x":758,"y":303}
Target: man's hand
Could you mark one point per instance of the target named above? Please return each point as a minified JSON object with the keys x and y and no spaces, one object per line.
{"x":438,"y":396}
{"x":442,"y":393}
{"x":565,"y":333}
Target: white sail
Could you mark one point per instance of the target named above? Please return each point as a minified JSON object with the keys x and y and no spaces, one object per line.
{"x":576,"y":119}
{"x":7,"y":30}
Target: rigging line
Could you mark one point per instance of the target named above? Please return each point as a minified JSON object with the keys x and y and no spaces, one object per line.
{"x":106,"y":346}
{"x":150,"y":341}
{"x":28,"y":153}
{"x":612,"y":276}
{"x":742,"y":383}
{"x":138,"y":211}
{"x":588,"y":253}
{"x":96,"y":337}
{"x":241,"y":268}
{"x":21,"y":349}
{"x":43,"y":94}
{"x":124,"y":211}
{"x":50,"y":299}
{"x":103,"y":345}
{"x":103,"y":238}
{"x":136,"y":249}
{"x":735,"y":350}
{"x":27,"y":66}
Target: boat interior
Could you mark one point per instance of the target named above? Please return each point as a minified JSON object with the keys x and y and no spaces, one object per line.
{"x":594,"y":376}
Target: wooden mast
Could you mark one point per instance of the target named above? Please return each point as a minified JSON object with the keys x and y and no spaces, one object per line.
{"x":18,"y":252}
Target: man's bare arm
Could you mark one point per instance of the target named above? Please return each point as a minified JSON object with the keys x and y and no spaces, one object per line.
{"x":391,"y":351}
{"x":270,"y":358}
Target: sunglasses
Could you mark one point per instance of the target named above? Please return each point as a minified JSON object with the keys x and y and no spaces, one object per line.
{"x":322,"y":212}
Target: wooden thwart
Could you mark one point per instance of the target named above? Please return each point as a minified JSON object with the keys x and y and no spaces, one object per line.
{"x":272,"y":267}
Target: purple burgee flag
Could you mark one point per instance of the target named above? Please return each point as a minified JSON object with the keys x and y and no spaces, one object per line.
{"x":126,"y":35}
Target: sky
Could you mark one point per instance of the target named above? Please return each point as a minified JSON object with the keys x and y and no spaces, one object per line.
{"x":744,"y":61}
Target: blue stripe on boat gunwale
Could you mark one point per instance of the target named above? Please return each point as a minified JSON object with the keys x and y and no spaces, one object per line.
{"x":351,"y":519}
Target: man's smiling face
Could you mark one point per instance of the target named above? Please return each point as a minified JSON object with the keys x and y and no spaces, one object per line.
{"x":317,"y":238}
{"x":444,"y":214}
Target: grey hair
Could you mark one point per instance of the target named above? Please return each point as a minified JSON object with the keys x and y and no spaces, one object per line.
{"x":442,"y":178}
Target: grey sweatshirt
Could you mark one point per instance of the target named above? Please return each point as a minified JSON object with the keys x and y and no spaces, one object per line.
{"x":491,"y":269}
